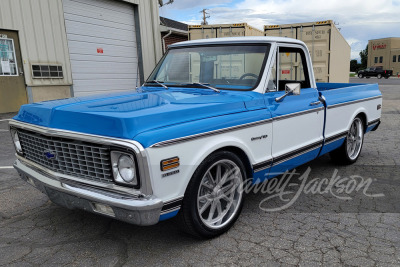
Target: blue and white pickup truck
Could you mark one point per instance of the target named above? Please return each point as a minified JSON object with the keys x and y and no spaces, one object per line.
{"x":213,"y":114}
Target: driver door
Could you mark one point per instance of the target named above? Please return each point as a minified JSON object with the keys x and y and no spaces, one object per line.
{"x":297,"y":119}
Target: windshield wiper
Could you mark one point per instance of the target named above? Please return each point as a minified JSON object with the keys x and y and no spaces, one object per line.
{"x":159,"y":83}
{"x":207,"y":86}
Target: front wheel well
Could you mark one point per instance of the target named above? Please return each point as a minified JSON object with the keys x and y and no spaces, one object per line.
{"x":242,"y":155}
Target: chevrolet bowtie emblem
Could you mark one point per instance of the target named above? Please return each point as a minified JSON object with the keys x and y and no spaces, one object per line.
{"x":50,"y":154}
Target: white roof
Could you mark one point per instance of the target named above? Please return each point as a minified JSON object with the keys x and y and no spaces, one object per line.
{"x":233,"y":40}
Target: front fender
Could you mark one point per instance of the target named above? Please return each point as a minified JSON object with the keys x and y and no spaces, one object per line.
{"x":193,"y":151}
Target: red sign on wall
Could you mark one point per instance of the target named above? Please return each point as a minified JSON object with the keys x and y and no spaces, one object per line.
{"x":285,"y":71}
{"x":379,"y":46}
{"x":100,"y":51}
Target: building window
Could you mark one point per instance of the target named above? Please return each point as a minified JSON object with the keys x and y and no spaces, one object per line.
{"x":8,"y":62}
{"x":398,"y":59}
{"x":47,"y":71}
{"x":380,"y":59}
{"x":376,"y":59}
{"x":394,"y":58}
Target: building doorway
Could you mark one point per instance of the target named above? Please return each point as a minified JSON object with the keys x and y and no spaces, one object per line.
{"x":12,"y":80}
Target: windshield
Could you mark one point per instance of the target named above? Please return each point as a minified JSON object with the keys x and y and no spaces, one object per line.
{"x":232,"y":67}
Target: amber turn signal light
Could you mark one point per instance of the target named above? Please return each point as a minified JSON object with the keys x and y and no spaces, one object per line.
{"x":168,"y":164}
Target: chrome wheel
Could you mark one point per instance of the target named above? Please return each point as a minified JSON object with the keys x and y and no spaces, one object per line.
{"x":354,"y":139}
{"x":220,"y":194}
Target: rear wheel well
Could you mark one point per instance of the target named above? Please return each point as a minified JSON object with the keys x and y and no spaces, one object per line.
{"x":363,"y":117}
{"x":242,"y":155}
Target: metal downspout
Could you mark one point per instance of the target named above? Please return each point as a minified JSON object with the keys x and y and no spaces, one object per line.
{"x":163,"y":40}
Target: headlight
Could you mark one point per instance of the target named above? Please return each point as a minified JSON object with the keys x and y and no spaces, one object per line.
{"x":17,"y":143}
{"x":124,"y":168}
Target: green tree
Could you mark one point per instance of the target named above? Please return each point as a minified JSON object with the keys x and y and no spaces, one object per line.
{"x":364,"y":57}
{"x":354,"y":65}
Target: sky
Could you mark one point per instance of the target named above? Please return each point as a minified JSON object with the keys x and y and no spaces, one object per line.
{"x":358,"y":20}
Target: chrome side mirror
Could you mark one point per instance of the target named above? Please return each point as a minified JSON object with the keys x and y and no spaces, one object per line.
{"x":290,"y":89}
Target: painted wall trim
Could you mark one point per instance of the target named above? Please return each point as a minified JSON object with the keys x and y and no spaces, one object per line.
{"x":29,"y":94}
{"x":71,"y":90}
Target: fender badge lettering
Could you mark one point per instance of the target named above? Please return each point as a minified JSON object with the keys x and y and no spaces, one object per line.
{"x":170,"y":173}
{"x":259,"y":137}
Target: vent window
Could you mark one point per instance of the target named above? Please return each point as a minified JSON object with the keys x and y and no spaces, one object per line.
{"x":47,"y":71}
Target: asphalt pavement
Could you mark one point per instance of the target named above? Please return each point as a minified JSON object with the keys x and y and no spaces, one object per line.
{"x":354,"y":223}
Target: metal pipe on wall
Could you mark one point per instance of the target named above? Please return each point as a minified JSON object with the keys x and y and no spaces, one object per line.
{"x":163,"y":40}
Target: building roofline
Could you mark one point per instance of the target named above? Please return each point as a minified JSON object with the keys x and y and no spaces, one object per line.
{"x":173,"y":30}
{"x":384,"y":38}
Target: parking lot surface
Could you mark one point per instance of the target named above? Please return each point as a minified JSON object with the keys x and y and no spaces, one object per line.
{"x":338,"y":227}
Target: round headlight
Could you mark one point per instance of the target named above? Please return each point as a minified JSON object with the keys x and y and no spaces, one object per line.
{"x":17,"y":143}
{"x":126,"y":168}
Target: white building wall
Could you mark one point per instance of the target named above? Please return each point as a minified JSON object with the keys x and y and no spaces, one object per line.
{"x":42,"y":34}
{"x":149,"y":21}
{"x":40,"y":26}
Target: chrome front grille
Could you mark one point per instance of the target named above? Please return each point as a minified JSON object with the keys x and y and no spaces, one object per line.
{"x":80,"y":159}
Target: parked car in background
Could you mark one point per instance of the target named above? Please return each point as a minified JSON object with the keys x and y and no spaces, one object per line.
{"x":378,"y":72}
{"x":214,"y":115}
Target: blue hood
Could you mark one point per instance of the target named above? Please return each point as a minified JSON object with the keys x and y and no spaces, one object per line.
{"x":125,"y":115}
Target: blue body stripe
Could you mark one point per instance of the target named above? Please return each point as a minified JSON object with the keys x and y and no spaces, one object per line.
{"x":331,"y":146}
{"x":169,"y":215}
{"x":369,"y":128}
{"x":275,"y":170}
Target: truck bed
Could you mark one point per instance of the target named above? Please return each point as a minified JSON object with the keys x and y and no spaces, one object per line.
{"x":333,"y":86}
{"x":336,"y":93}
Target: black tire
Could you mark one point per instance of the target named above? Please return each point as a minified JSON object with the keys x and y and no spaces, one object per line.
{"x":342,"y":155}
{"x":379,"y":76}
{"x":360,"y":76}
{"x":192,"y":219}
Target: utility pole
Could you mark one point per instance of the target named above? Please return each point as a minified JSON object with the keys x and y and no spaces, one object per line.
{"x":205,"y":16}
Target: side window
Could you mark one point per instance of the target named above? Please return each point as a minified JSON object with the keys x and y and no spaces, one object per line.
{"x":376,"y":59}
{"x":380,"y":59}
{"x":292,"y":68}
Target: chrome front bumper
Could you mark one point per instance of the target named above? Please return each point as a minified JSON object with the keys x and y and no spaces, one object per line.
{"x":139,"y":210}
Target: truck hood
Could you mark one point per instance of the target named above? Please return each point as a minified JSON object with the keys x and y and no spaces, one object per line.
{"x":125,"y":115}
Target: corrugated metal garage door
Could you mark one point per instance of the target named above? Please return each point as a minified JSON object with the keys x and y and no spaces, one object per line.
{"x":102,"y":45}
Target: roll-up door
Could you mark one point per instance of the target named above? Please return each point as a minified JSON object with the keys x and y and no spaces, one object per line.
{"x":102,"y":46}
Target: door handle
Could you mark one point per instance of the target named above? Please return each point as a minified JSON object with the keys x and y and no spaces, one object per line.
{"x":315,"y":103}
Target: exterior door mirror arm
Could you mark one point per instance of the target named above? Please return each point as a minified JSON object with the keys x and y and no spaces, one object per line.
{"x":291,"y":89}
